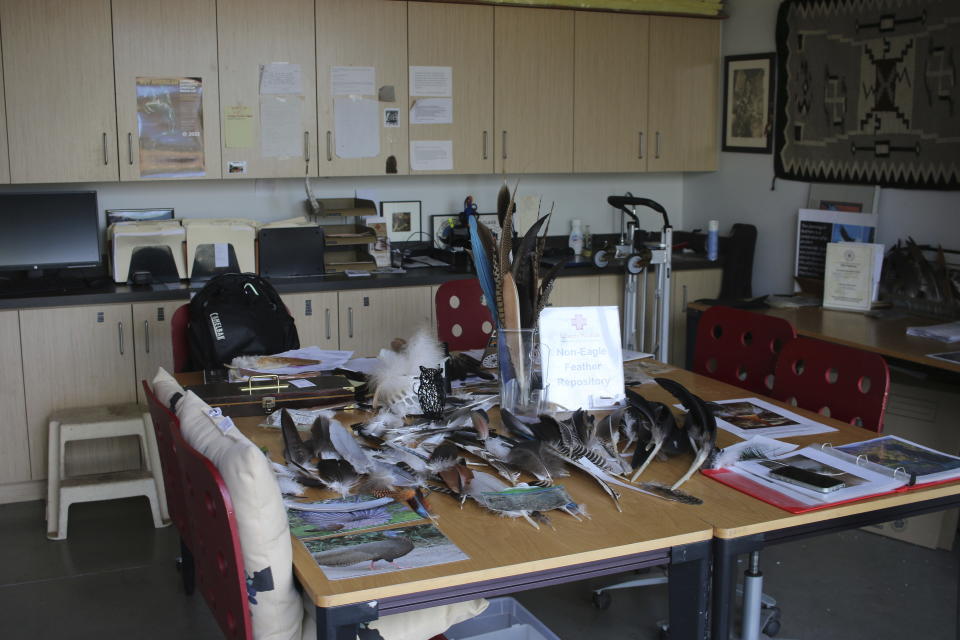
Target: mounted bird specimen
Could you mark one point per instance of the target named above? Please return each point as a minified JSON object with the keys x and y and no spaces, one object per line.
{"x":699,"y":424}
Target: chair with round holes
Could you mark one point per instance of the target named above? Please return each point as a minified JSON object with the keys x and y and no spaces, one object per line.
{"x":463,"y":318}
{"x":841,"y":382}
{"x":740,"y":347}
{"x":217,"y":557}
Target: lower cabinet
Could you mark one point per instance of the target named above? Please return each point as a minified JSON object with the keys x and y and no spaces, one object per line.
{"x":371,"y":318}
{"x":152,"y":340}
{"x":685,"y":287}
{"x":316,"y":317}
{"x":15,"y":450}
{"x":76,"y":357}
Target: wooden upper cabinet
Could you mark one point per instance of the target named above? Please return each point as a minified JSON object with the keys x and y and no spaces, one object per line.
{"x":533,"y":77}
{"x":436,"y":39}
{"x":610,"y":106}
{"x":4,"y":158}
{"x":58,"y":75}
{"x":269,"y":131}
{"x":364,"y":35}
{"x":167,"y":40}
{"x":684,"y":79}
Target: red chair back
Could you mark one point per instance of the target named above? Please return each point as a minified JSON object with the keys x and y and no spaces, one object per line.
{"x":216,"y":543}
{"x":740,"y":347}
{"x":165,"y":422}
{"x":178,"y":337}
{"x":463,"y":320}
{"x":845,"y":383}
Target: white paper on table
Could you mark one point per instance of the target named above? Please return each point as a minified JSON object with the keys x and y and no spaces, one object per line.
{"x":356,"y":273}
{"x":281,"y":78}
{"x":221,"y":255}
{"x":432,"y":111}
{"x":281,"y":132}
{"x":301,"y":383}
{"x":328,"y":360}
{"x":431,"y":81}
{"x":362,"y":365}
{"x":758,"y":417}
{"x":581,"y":357}
{"x":431,"y":155}
{"x":353,"y":81}
{"x":356,"y":124}
{"x":629,"y":355}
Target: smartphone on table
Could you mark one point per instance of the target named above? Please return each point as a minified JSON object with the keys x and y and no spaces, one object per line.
{"x":807,"y":479}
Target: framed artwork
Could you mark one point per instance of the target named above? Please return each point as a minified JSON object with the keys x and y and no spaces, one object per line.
{"x":748,"y":90}
{"x":403,"y":220}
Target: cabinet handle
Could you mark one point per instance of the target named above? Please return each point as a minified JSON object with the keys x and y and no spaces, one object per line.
{"x":146,"y":335}
{"x":504,"y":145}
{"x":106,"y":160}
{"x":329,"y":147}
{"x":349,"y":322}
{"x":484,"y":145}
{"x":640,"y":147}
{"x":656,"y":152}
{"x":327,"y":315}
{"x":130,"y":148}
{"x":306,"y":145}
{"x":120,"y":334}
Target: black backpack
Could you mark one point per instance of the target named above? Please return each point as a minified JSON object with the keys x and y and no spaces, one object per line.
{"x":237,"y":314}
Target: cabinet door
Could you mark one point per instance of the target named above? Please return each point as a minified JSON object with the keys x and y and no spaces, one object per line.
{"x":15,"y":452}
{"x":533,"y":79}
{"x":58,"y":75}
{"x":152,"y":340}
{"x":435,"y":34}
{"x":371,"y":318}
{"x":684,"y":79}
{"x":78,"y":357}
{"x":4,"y":157}
{"x":610,"y":104}
{"x":688,"y":286}
{"x":250,"y":34}
{"x":316,"y":318}
{"x":368,"y":34}
{"x":157,"y":41}
{"x":575,"y":291}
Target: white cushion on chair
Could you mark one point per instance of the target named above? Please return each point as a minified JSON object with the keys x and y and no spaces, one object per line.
{"x":409,"y":625}
{"x":165,"y":386}
{"x":261,"y":517}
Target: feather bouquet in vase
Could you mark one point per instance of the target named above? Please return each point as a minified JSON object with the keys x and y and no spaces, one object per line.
{"x":516,"y":290}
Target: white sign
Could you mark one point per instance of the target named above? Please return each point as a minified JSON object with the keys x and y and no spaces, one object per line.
{"x":353,"y":81}
{"x":581,"y":357}
{"x":431,"y":155}
{"x":432,"y":111}
{"x":431,"y":81}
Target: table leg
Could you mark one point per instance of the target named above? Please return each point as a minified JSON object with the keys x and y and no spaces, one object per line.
{"x":725,"y":552}
{"x":343,"y":623}
{"x":688,"y":587}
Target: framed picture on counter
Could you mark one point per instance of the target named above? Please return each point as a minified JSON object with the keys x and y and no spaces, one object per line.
{"x":748,"y":86}
{"x":403,"y":220}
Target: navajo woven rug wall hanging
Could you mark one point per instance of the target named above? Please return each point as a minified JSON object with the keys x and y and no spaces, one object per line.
{"x":869,"y":92}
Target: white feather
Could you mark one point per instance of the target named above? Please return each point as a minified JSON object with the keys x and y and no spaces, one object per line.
{"x":290,"y":487}
{"x":348,"y":448}
{"x":395,"y":374}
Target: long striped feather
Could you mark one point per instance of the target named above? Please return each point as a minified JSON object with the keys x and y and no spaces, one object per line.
{"x":481,"y":263}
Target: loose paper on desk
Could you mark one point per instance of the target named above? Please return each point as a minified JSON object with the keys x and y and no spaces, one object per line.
{"x":852,"y":275}
{"x":356,"y":123}
{"x":431,"y":155}
{"x":353,"y":81}
{"x":581,"y":358}
{"x":748,"y":417}
{"x":281,"y":78}
{"x":432,"y":111}
{"x":281,"y":133}
{"x":431,"y":81}
{"x":238,"y":127}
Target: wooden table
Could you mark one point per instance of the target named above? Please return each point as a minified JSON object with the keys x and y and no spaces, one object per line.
{"x":743,"y":524}
{"x":509,"y":555}
{"x":885,"y":334}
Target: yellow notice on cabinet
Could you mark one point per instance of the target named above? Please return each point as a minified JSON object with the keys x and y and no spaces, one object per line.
{"x":238,"y":127}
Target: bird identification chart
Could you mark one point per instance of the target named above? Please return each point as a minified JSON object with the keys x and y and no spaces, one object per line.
{"x":581,"y":357}
{"x":748,"y":417}
{"x":373,"y":552}
{"x":337,"y":516}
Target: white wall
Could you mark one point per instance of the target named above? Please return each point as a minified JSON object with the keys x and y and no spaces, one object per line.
{"x":575,"y":196}
{"x":740,"y":190}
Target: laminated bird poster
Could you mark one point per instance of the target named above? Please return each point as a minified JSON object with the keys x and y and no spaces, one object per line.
{"x":338,"y":516}
{"x":170,"y":127}
{"x":367,"y":554}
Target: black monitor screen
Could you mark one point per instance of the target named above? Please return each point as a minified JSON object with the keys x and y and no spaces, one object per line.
{"x":55,"y":229}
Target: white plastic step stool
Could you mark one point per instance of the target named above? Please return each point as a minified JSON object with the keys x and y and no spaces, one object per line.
{"x":101,"y":422}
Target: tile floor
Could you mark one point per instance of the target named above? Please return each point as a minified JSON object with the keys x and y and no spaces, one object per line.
{"x":114,"y":577}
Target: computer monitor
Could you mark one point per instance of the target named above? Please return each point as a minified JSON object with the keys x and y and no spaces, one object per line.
{"x":50,"y":230}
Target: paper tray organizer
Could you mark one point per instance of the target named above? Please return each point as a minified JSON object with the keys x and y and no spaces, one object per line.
{"x":220,"y":245}
{"x":155,"y":246}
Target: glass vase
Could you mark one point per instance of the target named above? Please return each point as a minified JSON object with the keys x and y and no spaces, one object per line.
{"x":518,"y":357}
